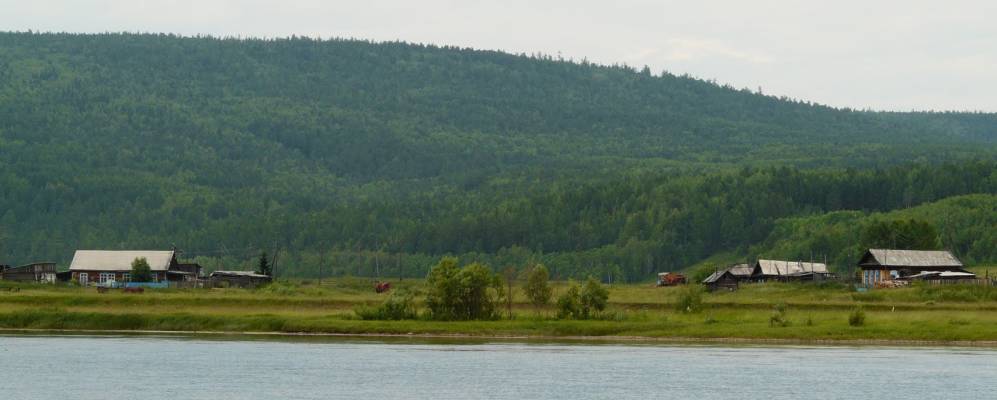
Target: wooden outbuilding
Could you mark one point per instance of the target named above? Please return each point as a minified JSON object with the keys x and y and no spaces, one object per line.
{"x":879,"y":265}
{"x":43,"y":272}
{"x":776,"y":270}
{"x":721,"y":280}
{"x":243,"y":279}
{"x":743,"y":272}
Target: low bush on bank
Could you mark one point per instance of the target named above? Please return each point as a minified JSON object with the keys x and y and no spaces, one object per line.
{"x":856,"y":317}
{"x":398,"y":306}
{"x":690,"y":299}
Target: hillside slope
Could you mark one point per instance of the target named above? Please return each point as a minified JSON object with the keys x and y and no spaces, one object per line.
{"x":224,"y":146}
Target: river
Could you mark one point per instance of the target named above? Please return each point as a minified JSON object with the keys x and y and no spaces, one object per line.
{"x":152,"y":367}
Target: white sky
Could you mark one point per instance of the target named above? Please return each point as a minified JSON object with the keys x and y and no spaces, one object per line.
{"x":887,"y":55}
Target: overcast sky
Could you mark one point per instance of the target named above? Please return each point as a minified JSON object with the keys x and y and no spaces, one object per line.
{"x":887,"y":55}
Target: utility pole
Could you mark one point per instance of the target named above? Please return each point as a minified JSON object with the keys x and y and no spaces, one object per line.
{"x":273,"y":267}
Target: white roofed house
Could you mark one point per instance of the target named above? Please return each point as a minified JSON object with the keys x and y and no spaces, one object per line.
{"x":103,"y":266}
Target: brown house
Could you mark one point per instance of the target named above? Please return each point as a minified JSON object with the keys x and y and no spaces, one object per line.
{"x":104,"y":266}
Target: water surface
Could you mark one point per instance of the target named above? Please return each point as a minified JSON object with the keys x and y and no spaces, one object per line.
{"x":87,"y":367}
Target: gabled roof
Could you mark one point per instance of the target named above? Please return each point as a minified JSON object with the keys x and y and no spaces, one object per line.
{"x":910,"y":258}
{"x":714,"y":277}
{"x":780,"y":268}
{"x":113,"y":260}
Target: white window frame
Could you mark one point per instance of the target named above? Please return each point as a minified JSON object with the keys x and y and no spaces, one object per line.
{"x":83,"y":278}
{"x":126,"y":277}
{"x":105,"y":277}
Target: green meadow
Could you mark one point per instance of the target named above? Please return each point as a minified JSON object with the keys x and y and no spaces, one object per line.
{"x":799,"y":312}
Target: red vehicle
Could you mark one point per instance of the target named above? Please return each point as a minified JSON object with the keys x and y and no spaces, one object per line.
{"x":671,"y":279}
{"x":382,"y":287}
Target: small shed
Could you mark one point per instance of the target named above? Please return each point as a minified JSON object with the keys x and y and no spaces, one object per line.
{"x":243,"y":279}
{"x":36,"y":272}
{"x":887,"y":264}
{"x":721,"y":280}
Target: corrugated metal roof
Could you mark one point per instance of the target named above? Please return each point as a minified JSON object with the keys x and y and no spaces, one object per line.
{"x":713,"y":277}
{"x":114,"y":260}
{"x":776,"y":267}
{"x":915,"y":258}
{"x":741,"y":269}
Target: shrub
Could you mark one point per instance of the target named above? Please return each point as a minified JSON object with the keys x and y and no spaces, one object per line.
{"x":690,"y":299}
{"x":468,"y":293}
{"x":778,"y":317}
{"x":399,"y":305}
{"x":569,"y":304}
{"x":594,"y":297}
{"x":857,"y":317}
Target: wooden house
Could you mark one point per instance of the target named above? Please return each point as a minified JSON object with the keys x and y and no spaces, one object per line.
{"x":35,"y":272}
{"x":721,"y":280}
{"x":879,"y":265}
{"x":105,"y":266}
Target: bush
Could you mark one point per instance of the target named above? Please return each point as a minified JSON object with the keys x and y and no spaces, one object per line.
{"x":468,"y":293}
{"x":857,"y":317}
{"x":778,"y":317}
{"x":594,"y":297}
{"x":690,"y":299}
{"x":400,"y":305}
{"x":569,"y":304}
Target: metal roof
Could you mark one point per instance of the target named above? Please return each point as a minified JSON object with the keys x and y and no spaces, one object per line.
{"x":741,"y":269}
{"x":914,"y":258}
{"x":250,"y":274}
{"x":715,"y":276}
{"x":776,"y":267}
{"x":114,"y":260}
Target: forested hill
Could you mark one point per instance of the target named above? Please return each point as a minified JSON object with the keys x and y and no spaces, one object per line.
{"x":223,"y":145}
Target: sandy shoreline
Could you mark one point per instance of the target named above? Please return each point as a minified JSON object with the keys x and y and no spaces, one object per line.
{"x":526,"y":338}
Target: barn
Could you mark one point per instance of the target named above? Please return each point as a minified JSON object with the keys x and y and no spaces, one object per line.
{"x":243,"y":279}
{"x":35,"y":272}
{"x":775,"y":270}
{"x":879,"y":265}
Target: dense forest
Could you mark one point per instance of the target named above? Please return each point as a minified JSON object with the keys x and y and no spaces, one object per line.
{"x":365,"y":158}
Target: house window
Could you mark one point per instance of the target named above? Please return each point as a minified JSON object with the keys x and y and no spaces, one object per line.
{"x":84,"y":278}
{"x":105,"y":277}
{"x":126,"y":277}
{"x":154,"y":277}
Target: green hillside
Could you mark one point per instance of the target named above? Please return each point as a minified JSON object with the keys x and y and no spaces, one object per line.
{"x":362,"y":156}
{"x":965,"y":224}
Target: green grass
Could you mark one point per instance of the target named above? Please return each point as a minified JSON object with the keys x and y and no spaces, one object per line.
{"x":812,"y":312}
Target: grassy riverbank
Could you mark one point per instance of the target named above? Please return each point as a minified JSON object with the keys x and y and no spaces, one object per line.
{"x":811,"y":312}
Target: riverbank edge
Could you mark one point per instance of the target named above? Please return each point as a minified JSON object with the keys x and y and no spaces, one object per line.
{"x":524,"y":338}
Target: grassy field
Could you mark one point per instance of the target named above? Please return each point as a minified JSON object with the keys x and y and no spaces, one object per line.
{"x":812,"y":312}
